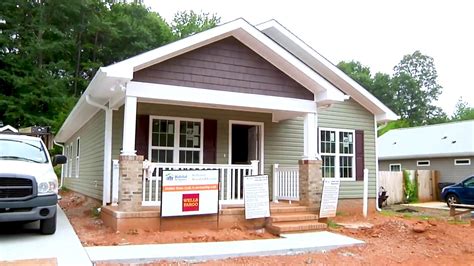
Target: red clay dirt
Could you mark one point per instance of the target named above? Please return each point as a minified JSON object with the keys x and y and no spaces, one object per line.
{"x":80,"y":211}
{"x":393,"y":239}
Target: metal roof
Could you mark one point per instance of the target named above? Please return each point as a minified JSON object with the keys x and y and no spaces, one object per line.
{"x":441,"y":140}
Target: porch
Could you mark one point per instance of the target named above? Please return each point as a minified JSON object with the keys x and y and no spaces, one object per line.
{"x":284,"y":181}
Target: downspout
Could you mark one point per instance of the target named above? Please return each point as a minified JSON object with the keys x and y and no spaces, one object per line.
{"x":62,"y":166}
{"x":376,"y":169}
{"x":107,"y":149}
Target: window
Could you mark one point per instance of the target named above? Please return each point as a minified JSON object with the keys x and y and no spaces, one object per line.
{"x":176,"y":140}
{"x":395,"y":167}
{"x":462,"y":161}
{"x":423,"y":163}
{"x":78,"y":153}
{"x":469,"y":183}
{"x":337,"y":153}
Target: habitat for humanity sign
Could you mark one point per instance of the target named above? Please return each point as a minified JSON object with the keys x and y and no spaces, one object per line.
{"x":189,"y":192}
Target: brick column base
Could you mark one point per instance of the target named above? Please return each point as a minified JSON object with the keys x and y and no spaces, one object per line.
{"x":311,"y":183}
{"x":131,"y":182}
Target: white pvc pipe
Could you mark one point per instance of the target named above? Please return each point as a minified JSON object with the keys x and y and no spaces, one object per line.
{"x":107,"y":150}
{"x":366,"y":192}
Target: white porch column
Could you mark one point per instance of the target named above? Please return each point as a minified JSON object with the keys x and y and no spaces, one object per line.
{"x":129,"y":124}
{"x":310,"y":136}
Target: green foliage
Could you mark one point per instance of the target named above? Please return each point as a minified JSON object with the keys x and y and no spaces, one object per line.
{"x":51,"y":49}
{"x":462,"y":111}
{"x":333,"y":225}
{"x":187,"y":23}
{"x":410,"y":91}
{"x":410,"y":187}
{"x":393,"y":125}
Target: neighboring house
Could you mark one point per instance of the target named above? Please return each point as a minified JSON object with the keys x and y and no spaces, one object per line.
{"x":447,"y":148}
{"x":225,"y":97}
{"x":8,"y":129}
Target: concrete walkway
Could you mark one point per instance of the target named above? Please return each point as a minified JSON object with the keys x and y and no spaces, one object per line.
{"x":288,"y":244}
{"x":29,"y":244}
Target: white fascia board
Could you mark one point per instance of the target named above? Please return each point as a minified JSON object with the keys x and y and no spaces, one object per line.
{"x":126,"y":67}
{"x":425,"y":156}
{"x":244,"y":32}
{"x":353,"y":89}
{"x":101,"y":88}
{"x":213,"y":98}
{"x":261,"y":43}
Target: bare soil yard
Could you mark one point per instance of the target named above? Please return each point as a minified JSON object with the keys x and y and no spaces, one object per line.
{"x":395,"y":238}
{"x":82,"y":213}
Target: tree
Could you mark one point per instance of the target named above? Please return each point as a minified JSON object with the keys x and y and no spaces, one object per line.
{"x":187,"y":23}
{"x":415,"y":78}
{"x":410,"y":91}
{"x":51,"y":49}
{"x":463,"y":111}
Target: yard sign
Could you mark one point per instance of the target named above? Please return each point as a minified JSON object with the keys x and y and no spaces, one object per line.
{"x":329,"y":198}
{"x":185,"y":192}
{"x":257,"y":201}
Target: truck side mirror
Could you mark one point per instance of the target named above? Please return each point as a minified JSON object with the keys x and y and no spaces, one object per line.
{"x":59,"y":159}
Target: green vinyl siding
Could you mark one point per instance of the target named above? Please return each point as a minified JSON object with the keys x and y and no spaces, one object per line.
{"x":117,"y":133}
{"x":351,"y":115}
{"x":283,"y":141}
{"x":91,"y":159}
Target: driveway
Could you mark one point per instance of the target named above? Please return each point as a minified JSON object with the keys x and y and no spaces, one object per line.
{"x":25,"y":243}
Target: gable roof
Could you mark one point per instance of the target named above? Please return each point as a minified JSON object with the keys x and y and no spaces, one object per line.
{"x":109,"y":83}
{"x":8,"y":128}
{"x":442,"y":140}
{"x":325,"y":68}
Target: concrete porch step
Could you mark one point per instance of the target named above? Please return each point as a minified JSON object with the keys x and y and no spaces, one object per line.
{"x":290,"y":209}
{"x":295,"y":226}
{"x":296,"y":216}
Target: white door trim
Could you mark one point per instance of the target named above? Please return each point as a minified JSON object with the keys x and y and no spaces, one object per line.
{"x":251,"y":123}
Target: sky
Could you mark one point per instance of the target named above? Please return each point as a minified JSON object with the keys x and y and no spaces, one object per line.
{"x":378,"y":33}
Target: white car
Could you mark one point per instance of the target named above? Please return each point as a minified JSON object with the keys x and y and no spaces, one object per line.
{"x":28,"y":184}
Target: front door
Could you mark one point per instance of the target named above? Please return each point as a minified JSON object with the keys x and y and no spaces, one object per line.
{"x":246,"y":143}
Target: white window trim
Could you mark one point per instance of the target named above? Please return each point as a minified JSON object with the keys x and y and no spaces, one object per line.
{"x":70,"y":159}
{"x":65,"y":165}
{"x":262,"y":138}
{"x":462,"y":159}
{"x":420,"y":163}
{"x":176,"y":147}
{"x":337,"y":154}
{"x":78,"y":155}
{"x":395,"y":164}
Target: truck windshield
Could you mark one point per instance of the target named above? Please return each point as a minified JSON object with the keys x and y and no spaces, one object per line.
{"x":25,"y":150}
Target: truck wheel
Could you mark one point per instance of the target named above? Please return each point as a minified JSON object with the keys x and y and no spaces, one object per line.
{"x":48,"y":226}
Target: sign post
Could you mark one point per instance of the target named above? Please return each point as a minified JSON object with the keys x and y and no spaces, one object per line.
{"x":256,"y":197}
{"x":329,"y":198}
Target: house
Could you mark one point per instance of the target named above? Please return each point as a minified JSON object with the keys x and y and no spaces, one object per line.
{"x":447,"y":148}
{"x":8,"y":129}
{"x":238,"y":98}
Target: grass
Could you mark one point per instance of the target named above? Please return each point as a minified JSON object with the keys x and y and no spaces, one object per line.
{"x":95,"y":212}
{"x":333,"y":225}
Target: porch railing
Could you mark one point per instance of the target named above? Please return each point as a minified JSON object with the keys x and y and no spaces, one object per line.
{"x":230,"y":180}
{"x":285,"y":183}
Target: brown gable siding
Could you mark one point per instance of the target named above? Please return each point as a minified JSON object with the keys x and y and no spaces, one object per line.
{"x":226,"y":65}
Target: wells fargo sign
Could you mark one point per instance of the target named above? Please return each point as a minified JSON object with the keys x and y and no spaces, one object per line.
{"x":189,"y":192}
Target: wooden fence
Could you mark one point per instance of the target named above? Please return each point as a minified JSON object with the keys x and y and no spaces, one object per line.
{"x":393,"y":183}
